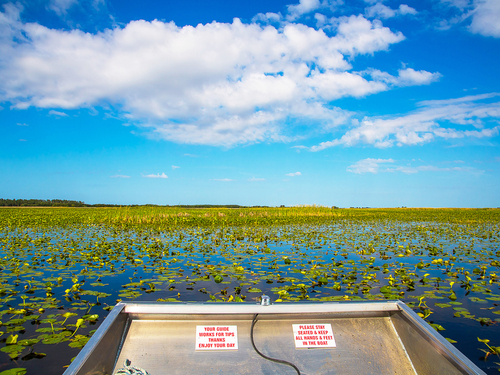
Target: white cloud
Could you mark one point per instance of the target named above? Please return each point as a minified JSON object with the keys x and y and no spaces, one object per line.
{"x":436,"y":119}
{"x":405,"y":77}
{"x":357,"y":35}
{"x":294,"y":174}
{"x":486,"y":18}
{"x":22,"y":124}
{"x":375,"y":166}
{"x":256,"y":179}
{"x":158,"y":175}
{"x":57,"y":113}
{"x":22,"y":140}
{"x":321,"y":19}
{"x":465,"y":99}
{"x":410,"y":77}
{"x":216,"y":84}
{"x":12,"y":11}
{"x":367,"y":165}
{"x":303,"y":7}
{"x":405,"y":9}
{"x":175,"y":167}
{"x":380,"y":10}
{"x":119,"y":176}
{"x":267,"y":18}
{"x":483,"y":14}
{"x":222,"y":179}
{"x":60,"y":7}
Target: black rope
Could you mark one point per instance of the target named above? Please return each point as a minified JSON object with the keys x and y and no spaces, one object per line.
{"x":265,"y":356}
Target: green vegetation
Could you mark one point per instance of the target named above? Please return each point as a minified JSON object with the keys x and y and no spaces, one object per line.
{"x":177,"y":218}
{"x":63,"y":269}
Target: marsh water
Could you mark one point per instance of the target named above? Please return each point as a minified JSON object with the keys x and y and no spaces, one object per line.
{"x":58,"y":284}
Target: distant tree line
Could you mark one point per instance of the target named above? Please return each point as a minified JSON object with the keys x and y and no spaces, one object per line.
{"x":41,"y":203}
{"x":69,"y":203}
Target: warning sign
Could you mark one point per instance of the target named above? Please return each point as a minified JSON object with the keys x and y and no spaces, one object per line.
{"x":313,"y":336}
{"x":216,"y":337}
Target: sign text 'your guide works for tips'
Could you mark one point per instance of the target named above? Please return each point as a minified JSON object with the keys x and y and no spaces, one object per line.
{"x":216,"y":338}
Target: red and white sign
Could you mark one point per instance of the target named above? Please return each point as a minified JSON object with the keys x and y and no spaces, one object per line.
{"x":216,"y":337}
{"x":313,"y":336}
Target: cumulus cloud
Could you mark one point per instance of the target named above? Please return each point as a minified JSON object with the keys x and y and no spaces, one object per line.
{"x":222,"y":179}
{"x":379,"y":10}
{"x":357,"y":35}
{"x":22,"y":124}
{"x":410,"y":77}
{"x":293,"y":174}
{"x":267,"y":18}
{"x":486,"y":18}
{"x":382,"y":11}
{"x":445,"y":119}
{"x":303,"y":7}
{"x":375,"y":166}
{"x":405,"y":9}
{"x":175,"y":167}
{"x":483,"y":16}
{"x":119,"y":176}
{"x":217,"y":84}
{"x":256,"y":179}
{"x":158,"y":175}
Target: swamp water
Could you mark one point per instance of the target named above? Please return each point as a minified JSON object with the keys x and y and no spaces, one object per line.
{"x":58,"y":285}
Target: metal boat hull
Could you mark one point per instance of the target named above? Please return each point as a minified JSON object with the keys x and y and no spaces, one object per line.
{"x":381,"y":337}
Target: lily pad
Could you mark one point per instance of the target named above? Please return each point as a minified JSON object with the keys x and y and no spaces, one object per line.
{"x":254,"y":290}
{"x":14,"y":371}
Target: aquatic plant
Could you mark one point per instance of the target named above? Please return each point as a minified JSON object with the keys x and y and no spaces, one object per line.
{"x":62,"y":270}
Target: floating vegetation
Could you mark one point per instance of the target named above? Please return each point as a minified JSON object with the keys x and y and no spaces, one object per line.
{"x":62,"y":270}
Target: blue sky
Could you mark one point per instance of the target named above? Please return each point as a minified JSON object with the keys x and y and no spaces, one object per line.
{"x":347,"y":103}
